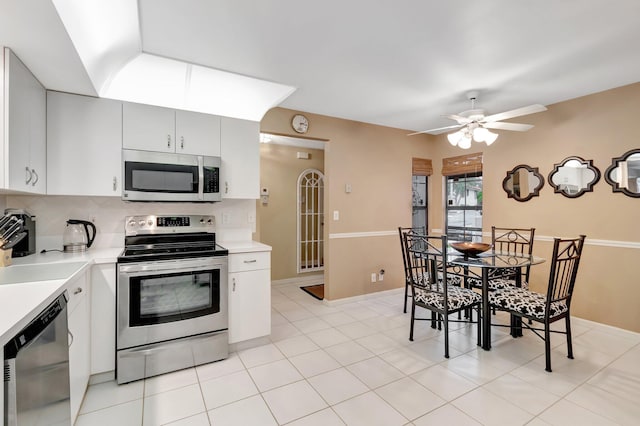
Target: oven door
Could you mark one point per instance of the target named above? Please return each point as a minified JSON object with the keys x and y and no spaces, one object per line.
{"x":164,"y":300}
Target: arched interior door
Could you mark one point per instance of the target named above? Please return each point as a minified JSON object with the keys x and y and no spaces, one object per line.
{"x":310,"y":221}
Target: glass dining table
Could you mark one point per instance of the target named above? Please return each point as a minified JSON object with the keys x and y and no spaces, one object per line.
{"x":492,"y":262}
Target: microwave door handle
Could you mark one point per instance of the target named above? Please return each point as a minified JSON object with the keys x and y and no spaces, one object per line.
{"x":200,"y":177}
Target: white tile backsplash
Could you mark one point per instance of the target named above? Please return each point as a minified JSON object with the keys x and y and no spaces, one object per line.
{"x":108,"y":214}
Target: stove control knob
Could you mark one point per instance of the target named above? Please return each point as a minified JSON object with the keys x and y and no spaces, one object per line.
{"x":150,"y":222}
{"x":141,"y":222}
{"x":132,"y":223}
{"x":210,"y":221}
{"x":202,"y":220}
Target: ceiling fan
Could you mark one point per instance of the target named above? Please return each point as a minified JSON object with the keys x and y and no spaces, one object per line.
{"x":474,"y":125}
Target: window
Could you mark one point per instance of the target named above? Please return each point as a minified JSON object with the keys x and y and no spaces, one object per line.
{"x":419,"y":202}
{"x":421,"y":169}
{"x":464,"y":207}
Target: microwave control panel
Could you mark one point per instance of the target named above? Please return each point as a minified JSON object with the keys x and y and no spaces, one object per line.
{"x":211,"y":180}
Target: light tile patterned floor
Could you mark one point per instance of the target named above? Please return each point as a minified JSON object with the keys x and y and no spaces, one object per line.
{"x":352,"y":363}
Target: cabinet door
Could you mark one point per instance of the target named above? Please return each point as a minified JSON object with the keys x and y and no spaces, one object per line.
{"x":197,"y":133}
{"x":84,"y":139}
{"x":148,"y":128}
{"x":103,"y":318}
{"x":240,"y":152}
{"x":79,"y":349}
{"x":26,"y":127}
{"x":249,"y":305}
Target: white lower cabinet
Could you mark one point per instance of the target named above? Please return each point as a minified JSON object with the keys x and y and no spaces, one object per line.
{"x":103,"y":318}
{"x":79,"y":341}
{"x":249,"y":295}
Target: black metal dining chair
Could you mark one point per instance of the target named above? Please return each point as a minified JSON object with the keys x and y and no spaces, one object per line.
{"x":407,"y":281}
{"x":552,"y":306}
{"x":427,"y":262}
{"x":518,"y":241}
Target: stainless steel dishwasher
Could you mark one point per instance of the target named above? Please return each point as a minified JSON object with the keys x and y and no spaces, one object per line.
{"x":36,"y":371}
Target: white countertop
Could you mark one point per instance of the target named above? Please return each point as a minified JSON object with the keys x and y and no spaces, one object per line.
{"x":32,"y":282}
{"x":244,"y":246}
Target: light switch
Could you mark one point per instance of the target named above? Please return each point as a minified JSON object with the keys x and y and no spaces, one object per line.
{"x":347,"y":188}
{"x":336,"y":215}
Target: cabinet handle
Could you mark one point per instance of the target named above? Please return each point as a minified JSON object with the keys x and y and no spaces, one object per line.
{"x":115,"y":183}
{"x":250,"y":261}
{"x":168,"y":141}
{"x":28,"y":175}
{"x":226,"y":187}
{"x":70,"y":335}
{"x":234,"y":284}
{"x":182,"y":142}
{"x":37,"y":178}
{"x":77,"y":290}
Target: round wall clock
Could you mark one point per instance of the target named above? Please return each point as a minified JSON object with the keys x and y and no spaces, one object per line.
{"x":300,"y":123}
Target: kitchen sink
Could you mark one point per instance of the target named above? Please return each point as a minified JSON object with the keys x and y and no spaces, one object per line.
{"x":16,"y":274}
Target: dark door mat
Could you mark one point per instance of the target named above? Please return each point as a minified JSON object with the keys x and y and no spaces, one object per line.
{"x":316,"y":291}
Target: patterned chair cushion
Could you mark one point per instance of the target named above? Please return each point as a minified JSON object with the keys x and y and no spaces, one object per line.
{"x":525,"y":302}
{"x":457,"y":297}
{"x":423,"y":279}
{"x":497,"y":283}
{"x":452,"y":279}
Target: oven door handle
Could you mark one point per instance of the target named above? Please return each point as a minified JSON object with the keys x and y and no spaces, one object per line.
{"x":169,"y":267}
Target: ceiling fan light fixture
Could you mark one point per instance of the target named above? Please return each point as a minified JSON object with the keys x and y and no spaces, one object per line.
{"x":480,"y":134}
{"x":455,"y":137}
{"x":465,"y":142}
{"x":490,"y":137}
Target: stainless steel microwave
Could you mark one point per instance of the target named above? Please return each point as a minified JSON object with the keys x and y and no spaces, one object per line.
{"x":165,"y":176}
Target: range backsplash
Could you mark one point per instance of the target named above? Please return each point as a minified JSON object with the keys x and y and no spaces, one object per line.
{"x":108,"y":214}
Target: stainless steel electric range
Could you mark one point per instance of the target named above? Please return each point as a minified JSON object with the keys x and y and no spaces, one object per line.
{"x":171,"y":296}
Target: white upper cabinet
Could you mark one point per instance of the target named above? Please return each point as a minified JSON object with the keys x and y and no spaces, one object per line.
{"x":24,"y":160}
{"x":84,"y":139}
{"x":197,"y":133}
{"x":240,"y":152}
{"x":151,"y":128}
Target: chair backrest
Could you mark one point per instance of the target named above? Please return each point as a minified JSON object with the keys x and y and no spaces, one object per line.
{"x":564,"y":268}
{"x":515,"y":241}
{"x":426,"y":256}
{"x":413,"y":231}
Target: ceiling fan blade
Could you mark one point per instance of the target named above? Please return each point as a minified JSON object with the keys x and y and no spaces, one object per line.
{"x":438,"y":130}
{"x":531,"y":109}
{"x":517,"y":127}
{"x":460,"y":119}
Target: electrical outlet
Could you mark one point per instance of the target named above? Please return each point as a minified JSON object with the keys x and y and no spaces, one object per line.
{"x":380,"y":277}
{"x":226,"y":218}
{"x":373,"y":277}
{"x":336,"y":215}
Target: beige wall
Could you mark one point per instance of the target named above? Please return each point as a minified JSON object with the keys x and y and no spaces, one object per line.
{"x":595,"y":127}
{"x":279,"y":171}
{"x":377,"y":162}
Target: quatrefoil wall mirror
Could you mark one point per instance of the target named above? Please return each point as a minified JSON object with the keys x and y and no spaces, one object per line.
{"x":624,"y":173}
{"x":523,"y":182}
{"x":573,"y":177}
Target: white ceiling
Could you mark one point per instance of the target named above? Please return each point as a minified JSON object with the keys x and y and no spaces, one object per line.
{"x":396,"y":63}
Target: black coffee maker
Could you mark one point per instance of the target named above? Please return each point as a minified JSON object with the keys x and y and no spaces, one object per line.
{"x":27,"y":245}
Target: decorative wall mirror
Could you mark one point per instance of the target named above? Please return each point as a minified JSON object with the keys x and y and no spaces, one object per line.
{"x":523,"y":182}
{"x":624,"y":173}
{"x":573,"y":177}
